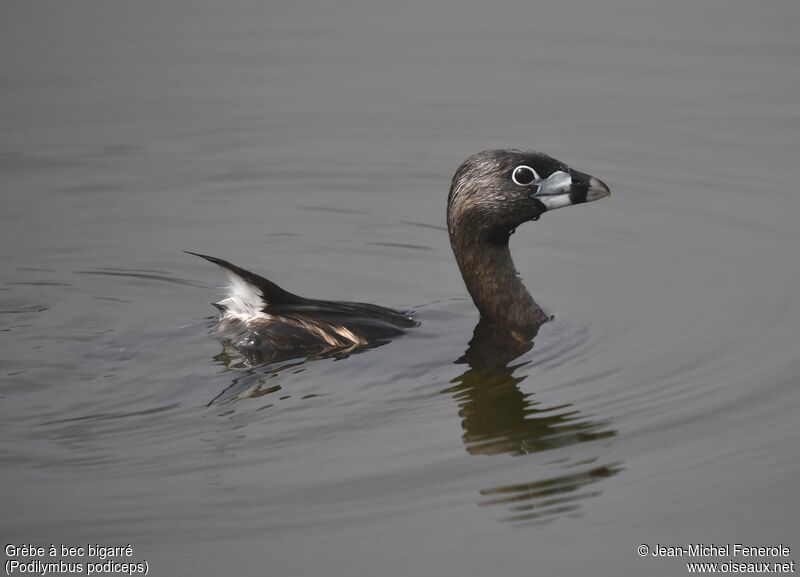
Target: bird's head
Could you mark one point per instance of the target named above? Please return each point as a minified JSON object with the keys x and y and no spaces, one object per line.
{"x":495,"y":191}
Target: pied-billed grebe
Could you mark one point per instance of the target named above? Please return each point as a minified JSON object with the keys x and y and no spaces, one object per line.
{"x":492,"y":193}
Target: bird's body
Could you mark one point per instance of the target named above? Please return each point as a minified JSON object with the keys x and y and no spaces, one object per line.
{"x":263,"y":323}
{"x":492,"y":193}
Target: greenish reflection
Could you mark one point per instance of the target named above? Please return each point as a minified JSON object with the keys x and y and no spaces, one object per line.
{"x":499,"y":418}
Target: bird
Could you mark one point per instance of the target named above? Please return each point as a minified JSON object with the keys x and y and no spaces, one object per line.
{"x":491,"y":194}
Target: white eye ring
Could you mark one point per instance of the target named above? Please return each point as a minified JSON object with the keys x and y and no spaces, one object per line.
{"x":522,"y":172}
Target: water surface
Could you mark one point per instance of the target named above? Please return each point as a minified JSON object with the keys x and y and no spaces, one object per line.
{"x":314,"y":143}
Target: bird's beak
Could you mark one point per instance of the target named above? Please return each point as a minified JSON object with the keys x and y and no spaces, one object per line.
{"x":572,"y":187}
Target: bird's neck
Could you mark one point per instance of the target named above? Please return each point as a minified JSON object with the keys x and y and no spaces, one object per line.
{"x":492,"y":280}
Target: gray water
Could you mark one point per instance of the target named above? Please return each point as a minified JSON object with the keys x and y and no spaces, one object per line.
{"x":314,"y":143}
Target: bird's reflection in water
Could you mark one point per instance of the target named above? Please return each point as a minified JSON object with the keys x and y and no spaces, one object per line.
{"x":250,"y":382}
{"x":253,"y":375}
{"x":498,"y":418}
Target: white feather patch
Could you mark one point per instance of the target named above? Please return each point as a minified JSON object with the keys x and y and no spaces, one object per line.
{"x":244,"y":301}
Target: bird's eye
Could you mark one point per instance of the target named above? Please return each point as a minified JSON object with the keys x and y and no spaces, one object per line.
{"x":524,"y":175}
